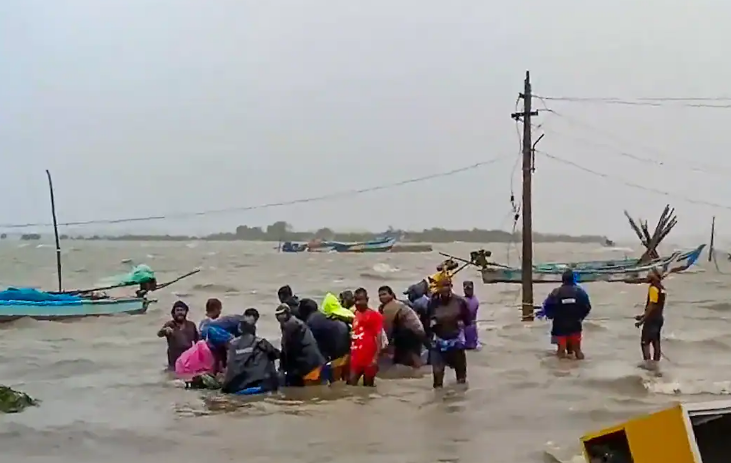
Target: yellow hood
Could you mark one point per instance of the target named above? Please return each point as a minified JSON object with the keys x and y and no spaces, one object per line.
{"x":332,"y":308}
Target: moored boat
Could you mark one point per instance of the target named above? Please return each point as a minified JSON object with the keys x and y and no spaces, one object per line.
{"x":377,"y":245}
{"x":289,"y":246}
{"x":559,"y":267}
{"x":682,"y":433}
{"x":675,"y":263}
{"x":63,"y":310}
{"x":18,"y":303}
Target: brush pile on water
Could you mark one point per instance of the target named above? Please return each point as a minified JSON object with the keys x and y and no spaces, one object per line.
{"x":12,"y":401}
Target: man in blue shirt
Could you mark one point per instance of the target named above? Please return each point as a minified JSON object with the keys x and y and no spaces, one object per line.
{"x":568,"y":305}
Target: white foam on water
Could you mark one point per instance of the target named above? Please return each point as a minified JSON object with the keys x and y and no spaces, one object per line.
{"x":688,"y":387}
{"x":385,"y":268}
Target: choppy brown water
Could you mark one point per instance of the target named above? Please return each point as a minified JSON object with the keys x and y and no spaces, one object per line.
{"x":105,"y":396}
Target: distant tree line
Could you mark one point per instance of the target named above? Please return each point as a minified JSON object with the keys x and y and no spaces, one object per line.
{"x":282,"y":231}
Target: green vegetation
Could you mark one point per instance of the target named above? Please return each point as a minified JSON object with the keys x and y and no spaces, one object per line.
{"x":282,"y":231}
{"x":12,"y":401}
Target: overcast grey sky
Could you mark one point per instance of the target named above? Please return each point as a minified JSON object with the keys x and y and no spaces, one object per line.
{"x":145,"y":107}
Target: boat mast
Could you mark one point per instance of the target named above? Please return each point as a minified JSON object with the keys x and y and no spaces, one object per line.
{"x":527,"y":232}
{"x":55,"y":232}
{"x":713,"y":234}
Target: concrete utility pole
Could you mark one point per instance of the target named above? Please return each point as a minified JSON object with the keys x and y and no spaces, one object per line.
{"x":527,"y":232}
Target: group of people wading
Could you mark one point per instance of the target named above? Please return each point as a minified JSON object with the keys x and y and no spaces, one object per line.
{"x":568,"y":305}
{"x":343,"y":338}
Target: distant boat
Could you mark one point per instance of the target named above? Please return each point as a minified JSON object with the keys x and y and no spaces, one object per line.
{"x":377,"y":245}
{"x":289,"y":246}
{"x":383,"y":244}
{"x":675,"y":263}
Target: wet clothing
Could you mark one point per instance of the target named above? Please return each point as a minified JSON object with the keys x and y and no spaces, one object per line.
{"x":567,"y":342}
{"x":652,"y":326}
{"x":366,"y":338}
{"x":398,"y":316}
{"x":656,"y":295}
{"x":300,"y":354}
{"x":471,"y":337}
{"x":183,"y":337}
{"x":332,"y":336}
{"x":367,"y":372}
{"x":204,"y":323}
{"x":404,"y":331}
{"x":567,"y":306}
{"x":418,"y":290}
{"x":651,"y":331}
{"x":332,"y":308}
{"x":294,"y":304}
{"x":455,"y":359}
{"x":228,"y":323}
{"x":251,"y":364}
{"x":447,"y":317}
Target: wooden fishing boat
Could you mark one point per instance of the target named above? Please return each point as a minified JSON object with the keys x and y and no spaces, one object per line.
{"x":377,"y":245}
{"x":64,"y":310}
{"x":683,"y":433}
{"x":62,"y":305}
{"x":559,"y":267}
{"x":650,"y":241}
{"x":676,"y":263}
{"x":289,"y":246}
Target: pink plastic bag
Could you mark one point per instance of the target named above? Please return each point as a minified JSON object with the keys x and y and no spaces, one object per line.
{"x":195,"y":361}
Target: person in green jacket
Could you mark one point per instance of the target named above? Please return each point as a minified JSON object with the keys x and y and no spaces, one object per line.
{"x":332,"y":308}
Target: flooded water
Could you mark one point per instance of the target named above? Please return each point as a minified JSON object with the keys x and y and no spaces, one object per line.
{"x":105,"y":397}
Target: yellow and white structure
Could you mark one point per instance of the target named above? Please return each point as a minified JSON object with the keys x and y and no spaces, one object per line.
{"x":684,"y":433}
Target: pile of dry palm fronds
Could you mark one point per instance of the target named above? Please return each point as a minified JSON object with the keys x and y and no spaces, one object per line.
{"x":650,"y":241}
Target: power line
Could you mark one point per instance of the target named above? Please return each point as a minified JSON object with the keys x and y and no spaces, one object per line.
{"x":632,"y":184}
{"x":717,"y":170}
{"x":687,"y":102}
{"x":325,"y":197}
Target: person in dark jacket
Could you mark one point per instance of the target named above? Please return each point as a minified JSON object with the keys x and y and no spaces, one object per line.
{"x":251,"y":362}
{"x":301,"y":357}
{"x":332,"y":335}
{"x":286,"y":296}
{"x":568,"y":305}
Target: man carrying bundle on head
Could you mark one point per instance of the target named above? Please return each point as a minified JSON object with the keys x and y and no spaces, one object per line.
{"x":652,"y":319}
{"x":568,"y":306}
{"x":448,"y":314}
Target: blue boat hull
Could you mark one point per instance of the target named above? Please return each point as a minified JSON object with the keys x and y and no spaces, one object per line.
{"x":382,"y":245}
{"x":676,"y":263}
{"x":54,"y":310}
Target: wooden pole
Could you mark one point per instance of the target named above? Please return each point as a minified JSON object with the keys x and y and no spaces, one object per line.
{"x":55,"y":232}
{"x":527,"y":231}
{"x":713,"y":233}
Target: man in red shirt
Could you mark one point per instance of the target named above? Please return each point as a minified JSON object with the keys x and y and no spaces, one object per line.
{"x":366,"y":341}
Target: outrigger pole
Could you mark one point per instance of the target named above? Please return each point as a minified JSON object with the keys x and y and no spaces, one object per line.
{"x":55,"y":232}
{"x":713,"y":234}
{"x":527,"y":231}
